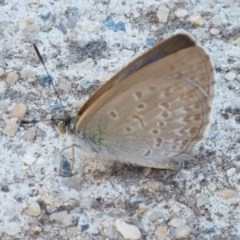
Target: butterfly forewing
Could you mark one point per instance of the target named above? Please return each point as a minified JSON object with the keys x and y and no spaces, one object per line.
{"x":163,"y":49}
{"x":155,"y":114}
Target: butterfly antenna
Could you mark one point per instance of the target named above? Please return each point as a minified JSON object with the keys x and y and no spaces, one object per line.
{"x":51,"y":82}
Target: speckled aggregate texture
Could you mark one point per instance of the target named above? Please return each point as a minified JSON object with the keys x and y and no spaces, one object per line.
{"x":83,"y":43}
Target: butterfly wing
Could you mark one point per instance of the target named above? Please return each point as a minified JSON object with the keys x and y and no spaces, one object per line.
{"x":163,"y":49}
{"x":155,"y":114}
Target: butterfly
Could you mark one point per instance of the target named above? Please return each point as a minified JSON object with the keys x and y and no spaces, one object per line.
{"x":152,"y":112}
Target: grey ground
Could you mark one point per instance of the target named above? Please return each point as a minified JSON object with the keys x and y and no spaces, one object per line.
{"x":83,"y":44}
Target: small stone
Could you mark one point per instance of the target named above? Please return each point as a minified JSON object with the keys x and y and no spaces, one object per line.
{"x":96,"y":203}
{"x":202,"y":200}
{"x":72,"y":203}
{"x":36,"y":230}
{"x":147,"y":171}
{"x":152,"y":185}
{"x":216,"y":21}
{"x":13,"y":229}
{"x":30,"y":134}
{"x":183,"y":232}
{"x":214,"y":31}
{"x":11,"y":127}
{"x":19,"y":110}
{"x":231,"y":172}
{"x":228,"y":194}
{"x":128,"y":231}
{"x":95,"y":230}
{"x":238,"y":77}
{"x":237,"y":42}
{"x":155,"y":216}
{"x":29,"y":21}
{"x":12,"y":77}
{"x":162,"y":13}
{"x":141,"y":211}
{"x":177,"y":222}
{"x":2,"y":59}
{"x":73,"y":232}
{"x":28,"y":160}
{"x":181,"y":13}
{"x":197,"y":20}
{"x":4,"y":104}
{"x":230,"y":76}
{"x":27,"y":73}
{"x":1,"y":71}
{"x":65,"y":85}
{"x":191,"y":202}
{"x":212,"y":187}
{"x":161,"y":232}
{"x":236,"y":164}
{"x":62,"y":217}
{"x":3,"y":87}
{"x":33,"y":209}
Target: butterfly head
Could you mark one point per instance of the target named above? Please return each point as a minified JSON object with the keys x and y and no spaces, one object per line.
{"x":67,"y":124}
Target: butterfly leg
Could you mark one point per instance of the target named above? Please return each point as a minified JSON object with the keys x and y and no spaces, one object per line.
{"x":67,"y":161}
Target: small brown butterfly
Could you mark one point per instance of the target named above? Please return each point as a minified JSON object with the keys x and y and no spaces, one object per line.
{"x":154,"y":110}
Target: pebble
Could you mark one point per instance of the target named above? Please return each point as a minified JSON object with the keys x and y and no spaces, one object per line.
{"x":4,"y":104}
{"x":231,"y":172}
{"x":11,"y":127}
{"x":95,"y":230}
{"x":214,"y":31}
{"x":181,"y":13}
{"x":228,"y":194}
{"x":12,"y":77}
{"x":19,"y":110}
{"x":33,"y":209}
{"x":13,"y":229}
{"x":1,"y":71}
{"x":72,"y":203}
{"x":27,"y":73}
{"x":177,"y":222}
{"x":155,"y":216}
{"x":197,"y":20}
{"x":230,"y":76}
{"x":3,"y":87}
{"x":62,"y":217}
{"x":147,"y":172}
{"x":191,"y":202}
{"x":29,"y":21}
{"x":236,"y":164}
{"x":128,"y":231}
{"x":161,"y":232}
{"x":73,"y":231}
{"x":30,"y":134}
{"x":237,"y":42}
{"x":202,"y":200}
{"x":65,"y":85}
{"x":212,"y":187}
{"x":238,"y":77}
{"x":152,"y":185}
{"x":29,"y":160}
{"x":2,"y":59}
{"x":36,"y":230}
{"x":162,"y":13}
{"x":141,"y":211}
{"x":183,"y":232}
{"x":216,"y":21}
